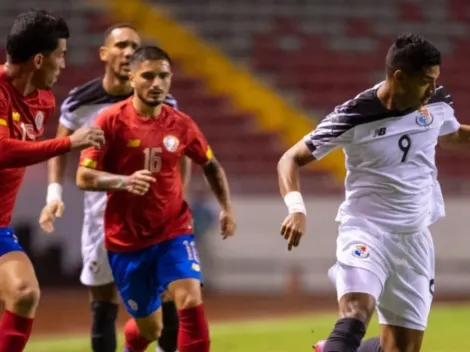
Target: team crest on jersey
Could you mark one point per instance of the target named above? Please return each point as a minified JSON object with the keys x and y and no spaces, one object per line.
{"x":171,"y":143}
{"x":424,"y":117}
{"x":39,"y":120}
{"x":360,"y":251}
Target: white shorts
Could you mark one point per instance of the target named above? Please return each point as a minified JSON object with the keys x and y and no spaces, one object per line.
{"x":396,"y":269}
{"x":96,"y":270}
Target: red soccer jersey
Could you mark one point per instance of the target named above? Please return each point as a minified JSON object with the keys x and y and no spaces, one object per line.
{"x":21,"y":118}
{"x":133,"y":143}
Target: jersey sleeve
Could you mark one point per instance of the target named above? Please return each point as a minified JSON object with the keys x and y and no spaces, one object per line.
{"x":197,"y":149}
{"x":4,"y":121}
{"x":93,"y":157}
{"x":334,"y":131}
{"x":69,"y":114}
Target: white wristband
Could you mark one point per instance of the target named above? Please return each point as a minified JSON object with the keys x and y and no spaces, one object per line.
{"x":295,"y":203}
{"x":54,"y":192}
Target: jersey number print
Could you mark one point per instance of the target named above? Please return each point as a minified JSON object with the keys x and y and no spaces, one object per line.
{"x":153,"y":159}
{"x":404,"y":143}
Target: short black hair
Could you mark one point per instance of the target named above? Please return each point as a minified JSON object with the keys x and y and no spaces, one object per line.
{"x":412,"y":53}
{"x":149,"y":52}
{"x":120,"y":25}
{"x":34,"y":32}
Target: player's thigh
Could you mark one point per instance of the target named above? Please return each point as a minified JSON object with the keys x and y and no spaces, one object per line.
{"x":408,"y":293}
{"x":135,"y":278}
{"x":399,"y":339}
{"x":95,"y":269}
{"x":179,"y":271}
{"x":357,"y":289}
{"x":19,"y":287}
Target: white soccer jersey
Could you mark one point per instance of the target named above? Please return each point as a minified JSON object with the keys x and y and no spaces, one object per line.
{"x":391,"y":179}
{"x":81,"y":108}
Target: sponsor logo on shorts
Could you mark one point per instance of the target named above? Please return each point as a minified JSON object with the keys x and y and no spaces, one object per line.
{"x":196,"y":267}
{"x":132,"y":304}
{"x":94,"y":267}
{"x":360,"y":251}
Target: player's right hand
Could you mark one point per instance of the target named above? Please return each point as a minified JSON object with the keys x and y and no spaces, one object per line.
{"x":87,"y":137}
{"x":52,"y":210}
{"x":139,"y":182}
{"x":293,"y":228}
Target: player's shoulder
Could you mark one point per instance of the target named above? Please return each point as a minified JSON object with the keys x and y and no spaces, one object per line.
{"x":177,"y":115}
{"x":90,"y":93}
{"x":441,"y":96}
{"x":365,"y":107}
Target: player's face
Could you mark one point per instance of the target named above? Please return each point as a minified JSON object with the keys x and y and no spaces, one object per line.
{"x":48,"y":66}
{"x":418,"y":88}
{"x":151,"y":81}
{"x":120,"y":46}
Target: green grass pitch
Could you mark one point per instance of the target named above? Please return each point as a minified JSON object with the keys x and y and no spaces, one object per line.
{"x":448,"y":332}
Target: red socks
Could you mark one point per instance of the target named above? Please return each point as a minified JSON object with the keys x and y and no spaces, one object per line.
{"x":134,"y":341}
{"x":14,"y":332}
{"x":193,"y":334}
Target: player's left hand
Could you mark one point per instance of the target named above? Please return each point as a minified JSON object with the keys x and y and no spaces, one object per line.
{"x":293,"y":228}
{"x":227,"y":224}
{"x":51,"y":210}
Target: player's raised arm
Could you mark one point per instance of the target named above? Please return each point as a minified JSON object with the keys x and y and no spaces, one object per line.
{"x":334,"y":131}
{"x":20,"y":153}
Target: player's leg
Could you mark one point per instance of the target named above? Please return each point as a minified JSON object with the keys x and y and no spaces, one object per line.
{"x":179,"y":271}
{"x":169,"y":338}
{"x":359,"y":277}
{"x":135,"y":277}
{"x":405,"y":305}
{"x":370,"y":345}
{"x":104,"y":299}
{"x":19,"y":290}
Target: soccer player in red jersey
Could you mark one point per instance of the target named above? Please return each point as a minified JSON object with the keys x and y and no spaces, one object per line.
{"x":148,"y":225}
{"x":36,"y":48}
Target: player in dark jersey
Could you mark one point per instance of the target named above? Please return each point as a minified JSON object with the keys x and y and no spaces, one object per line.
{"x":148,"y":225}
{"x":385,"y":253}
{"x":81,"y":108}
{"x":36,"y":47}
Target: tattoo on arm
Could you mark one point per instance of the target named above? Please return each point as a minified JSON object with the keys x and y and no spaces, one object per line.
{"x":217,"y":180}
{"x":111,"y":182}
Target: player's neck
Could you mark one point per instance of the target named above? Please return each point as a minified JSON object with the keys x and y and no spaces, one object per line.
{"x":145,"y":110}
{"x":114,"y":86}
{"x":389,"y":99}
{"x":20,"y":78}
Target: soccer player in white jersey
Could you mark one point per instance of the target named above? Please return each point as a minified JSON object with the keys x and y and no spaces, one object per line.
{"x":385,"y":253}
{"x":81,"y":108}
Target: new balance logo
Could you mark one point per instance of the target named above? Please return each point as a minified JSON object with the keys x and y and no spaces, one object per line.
{"x":380,"y":132}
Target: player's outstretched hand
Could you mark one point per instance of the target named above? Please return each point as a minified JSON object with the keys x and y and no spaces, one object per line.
{"x":227,"y":224}
{"x":139,"y":182}
{"x":51,"y":210}
{"x":87,"y":137}
{"x":293,"y":228}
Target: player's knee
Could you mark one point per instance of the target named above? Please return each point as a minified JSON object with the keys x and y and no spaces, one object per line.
{"x":186,"y":293}
{"x":104,"y":293}
{"x":359,"y":306}
{"x":24,"y":296}
{"x":151,"y":332}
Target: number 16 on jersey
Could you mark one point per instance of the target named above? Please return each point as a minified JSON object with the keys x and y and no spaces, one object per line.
{"x":153,"y":159}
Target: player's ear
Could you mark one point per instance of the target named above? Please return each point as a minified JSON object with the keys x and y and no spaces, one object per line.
{"x":399,"y":76}
{"x":103,"y":53}
{"x":38,"y":60}
{"x":131,"y":79}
